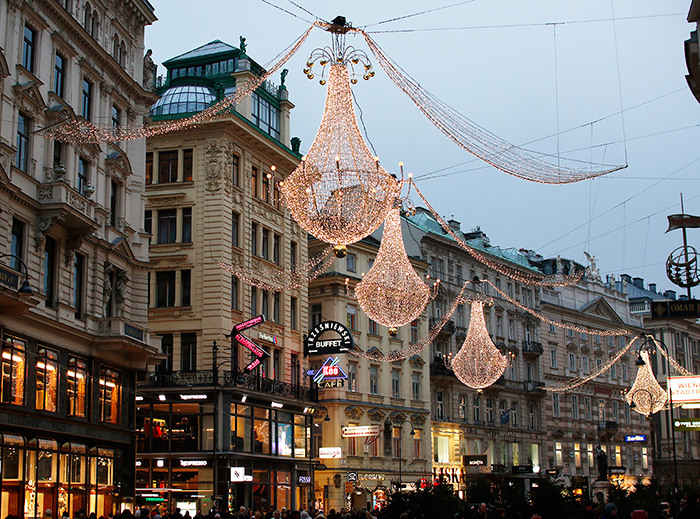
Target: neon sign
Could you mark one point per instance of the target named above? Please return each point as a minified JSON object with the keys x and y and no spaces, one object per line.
{"x":329,"y":371}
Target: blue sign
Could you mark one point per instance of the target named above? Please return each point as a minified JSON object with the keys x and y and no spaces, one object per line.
{"x":636,"y":438}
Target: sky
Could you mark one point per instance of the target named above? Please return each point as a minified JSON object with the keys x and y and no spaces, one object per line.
{"x":611,"y":71}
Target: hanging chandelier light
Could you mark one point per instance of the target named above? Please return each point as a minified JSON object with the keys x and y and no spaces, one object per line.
{"x":478,"y":363}
{"x":391,"y":293}
{"x":646,"y":396}
{"x":339,"y":192}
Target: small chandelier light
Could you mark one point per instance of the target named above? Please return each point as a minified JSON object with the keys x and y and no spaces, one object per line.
{"x":391,"y":293}
{"x":646,"y":396}
{"x":339,"y":193}
{"x":478,"y":363}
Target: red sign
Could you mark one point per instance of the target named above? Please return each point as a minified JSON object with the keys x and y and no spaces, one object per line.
{"x":682,"y":221}
{"x":256,"y":350}
{"x":330,"y":371}
{"x":249,"y":323}
{"x":246,"y":342}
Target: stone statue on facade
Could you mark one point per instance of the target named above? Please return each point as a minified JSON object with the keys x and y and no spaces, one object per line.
{"x":592,"y":270}
{"x":149,"y":71}
{"x":242,"y":45}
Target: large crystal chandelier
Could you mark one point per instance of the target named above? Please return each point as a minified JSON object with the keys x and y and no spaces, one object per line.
{"x":646,"y":396}
{"x":478,"y":363}
{"x":391,"y":293}
{"x":339,"y":193}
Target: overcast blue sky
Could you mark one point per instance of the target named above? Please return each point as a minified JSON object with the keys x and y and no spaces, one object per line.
{"x":522,"y":70}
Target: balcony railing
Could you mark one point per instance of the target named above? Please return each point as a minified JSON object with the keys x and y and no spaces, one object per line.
{"x":608,"y":426}
{"x":252,"y":382}
{"x":438,"y":369}
{"x":534,"y":386}
{"x":532,"y":347}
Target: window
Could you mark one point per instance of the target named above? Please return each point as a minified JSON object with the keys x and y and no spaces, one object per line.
{"x":373,"y":327}
{"x":276,"y":317}
{"x":265,"y":194}
{"x":265,"y":309}
{"x":253,"y":301}
{"x":235,"y":220}
{"x":83,"y":176}
{"x":87,"y":100}
{"x":149,"y":168}
{"x":616,"y":410}
{"x":14,"y":369}
{"x":78,"y":281}
{"x":414,"y":331}
{"x":489,"y":410}
{"x":601,"y":410}
{"x":440,"y":406}
{"x":265,"y":253}
{"x":265,"y":115}
{"x":587,"y":407}
{"x":185,"y":287}
{"x":116,"y":117}
{"x":552,"y":328}
{"x":572,"y":362}
{"x":613,"y":371}
{"x":477,"y":409}
{"x":555,"y":405}
{"x":499,"y":325}
{"x":351,"y":262}
{"x":47,"y":380}
{"x":77,"y":387}
{"x":254,"y":181}
{"x":316,"y":315}
{"x":187,"y":225}
{"x":167,"y":167}
{"x":458,"y":275}
{"x":395,"y":383}
{"x":584,"y":363}
{"x":235,"y":171}
{"x":574,"y":407}
{"x":352,"y":376}
{"x":396,"y":442}
{"x":110,"y":386}
{"x":114,"y":204}
{"x":511,"y":329}
{"x":17,"y":244}
{"x":514,"y":414}
{"x":557,"y":454}
{"x":187,"y":163}
{"x":625,"y":372}
{"x":167,"y":226}
{"x":645,"y":458}
{"x":441,"y":449}
{"x":23,"y":129}
{"x":415,"y":386}
{"x":276,"y":249}
{"x":553,"y":358}
{"x":533,"y":417}
{"x":417,"y":453}
{"x":188,"y":352}
{"x":352,"y":317}
{"x":627,"y":413}
{"x":29,"y":48}
{"x":234,"y":293}
{"x":293,"y":313}
{"x":569,"y":333}
{"x":166,"y":346}
{"x":165,"y":289}
{"x":254,"y":239}
{"x":59,"y":74}
{"x":374,"y":380}
{"x":577,"y":454}
{"x":50,"y":263}
{"x":293,"y":254}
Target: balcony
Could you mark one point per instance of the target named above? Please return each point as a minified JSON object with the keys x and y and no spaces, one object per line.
{"x":439,"y":369}
{"x":534,"y":386}
{"x":449,"y":328}
{"x":62,"y":203}
{"x":607,"y":425}
{"x":534,"y":348}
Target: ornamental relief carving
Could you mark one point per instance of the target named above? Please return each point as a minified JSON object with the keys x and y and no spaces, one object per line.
{"x":397,"y":417}
{"x":213,"y":166}
{"x":376,"y":415}
{"x":353,"y":412}
{"x":165,"y":202}
{"x":45,"y":193}
{"x":418,"y":419}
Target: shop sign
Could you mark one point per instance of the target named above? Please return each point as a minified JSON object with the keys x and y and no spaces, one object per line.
{"x":522,"y":469}
{"x":349,"y":487}
{"x":340,"y":343}
{"x":689,"y":308}
{"x":474,"y":460}
{"x":617,"y":471}
{"x":270,"y":338}
{"x":238,"y":475}
{"x":352,"y":475}
{"x":685,"y":389}
{"x":194,"y":463}
{"x":330,"y":453}
{"x":256,"y":350}
{"x":299,"y":453}
{"x":330,"y":384}
{"x":304,"y":480}
{"x":360,"y":430}
{"x":636,"y":438}
{"x":371,"y":477}
{"x":579,"y":481}
{"x":686,"y":425}
{"x":193,"y":397}
{"x":330,"y":371}
{"x":9,"y":279}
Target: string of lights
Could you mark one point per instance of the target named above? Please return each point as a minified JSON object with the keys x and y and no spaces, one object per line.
{"x":528,"y":278}
{"x":478,"y":363}
{"x":339,"y":193}
{"x":599,"y":370}
{"x":81,"y":131}
{"x":646,"y":396}
{"x":423,"y":342}
{"x":680,"y":369}
{"x":277,"y":279}
{"x":391,"y":293}
{"x":478,"y":141}
{"x":581,"y":329}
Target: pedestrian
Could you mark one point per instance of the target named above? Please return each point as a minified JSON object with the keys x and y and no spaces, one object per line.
{"x":610,"y":511}
{"x":47,"y":514}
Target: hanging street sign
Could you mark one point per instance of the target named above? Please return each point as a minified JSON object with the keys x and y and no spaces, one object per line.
{"x":685,"y":390}
{"x":682,"y":221}
{"x":675,"y":309}
{"x":330,"y":374}
{"x":258,"y":353}
{"x":337,"y":339}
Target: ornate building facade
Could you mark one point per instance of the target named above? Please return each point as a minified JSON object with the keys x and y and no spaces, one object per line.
{"x":211,"y":435}
{"x":74,"y":256}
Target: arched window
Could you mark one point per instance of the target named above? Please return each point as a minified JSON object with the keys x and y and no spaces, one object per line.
{"x":95,"y":24}
{"x":115,"y":46}
{"x":87,"y":22}
{"x":122,"y":54}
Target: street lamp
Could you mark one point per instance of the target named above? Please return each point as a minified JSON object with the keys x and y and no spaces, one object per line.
{"x":649,"y":342}
{"x":312,"y":474}
{"x":400,"y":449}
{"x":25,"y":289}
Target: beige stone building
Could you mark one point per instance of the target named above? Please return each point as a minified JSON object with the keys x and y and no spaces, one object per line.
{"x":373,"y":393}
{"x":71,"y":218}
{"x":241,"y":438}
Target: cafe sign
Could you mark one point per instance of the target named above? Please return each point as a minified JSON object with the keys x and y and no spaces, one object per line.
{"x":327,"y":338}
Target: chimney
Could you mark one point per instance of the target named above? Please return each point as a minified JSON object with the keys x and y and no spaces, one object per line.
{"x":638,"y":282}
{"x":454,"y":225}
{"x":670,"y":294}
{"x":626,"y":277}
{"x":652,"y":287}
{"x":683,"y":297}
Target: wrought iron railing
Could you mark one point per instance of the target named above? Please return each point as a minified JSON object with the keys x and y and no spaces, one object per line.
{"x":533,"y":347}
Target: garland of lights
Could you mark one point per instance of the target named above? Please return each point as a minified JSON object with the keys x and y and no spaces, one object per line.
{"x":478,"y":363}
{"x":422,"y":343}
{"x":277,"y":279}
{"x":646,"y":396}
{"x":339,"y":193}
{"x":581,"y":329}
{"x":527,"y":278}
{"x":478,"y":141}
{"x":599,"y":370}
{"x":80,"y":131}
{"x":391,"y":293}
{"x":680,"y":369}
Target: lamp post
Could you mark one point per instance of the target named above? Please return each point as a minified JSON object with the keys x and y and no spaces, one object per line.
{"x":312,"y":475}
{"x":650,"y":414}
{"x":650,"y":341}
{"x":25,"y":289}
{"x":400,"y":449}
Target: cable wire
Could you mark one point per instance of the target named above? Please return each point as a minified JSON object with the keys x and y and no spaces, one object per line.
{"x":285,"y":10}
{"x":419,"y":13}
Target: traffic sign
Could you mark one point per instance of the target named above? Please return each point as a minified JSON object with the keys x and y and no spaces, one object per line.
{"x":353,"y":476}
